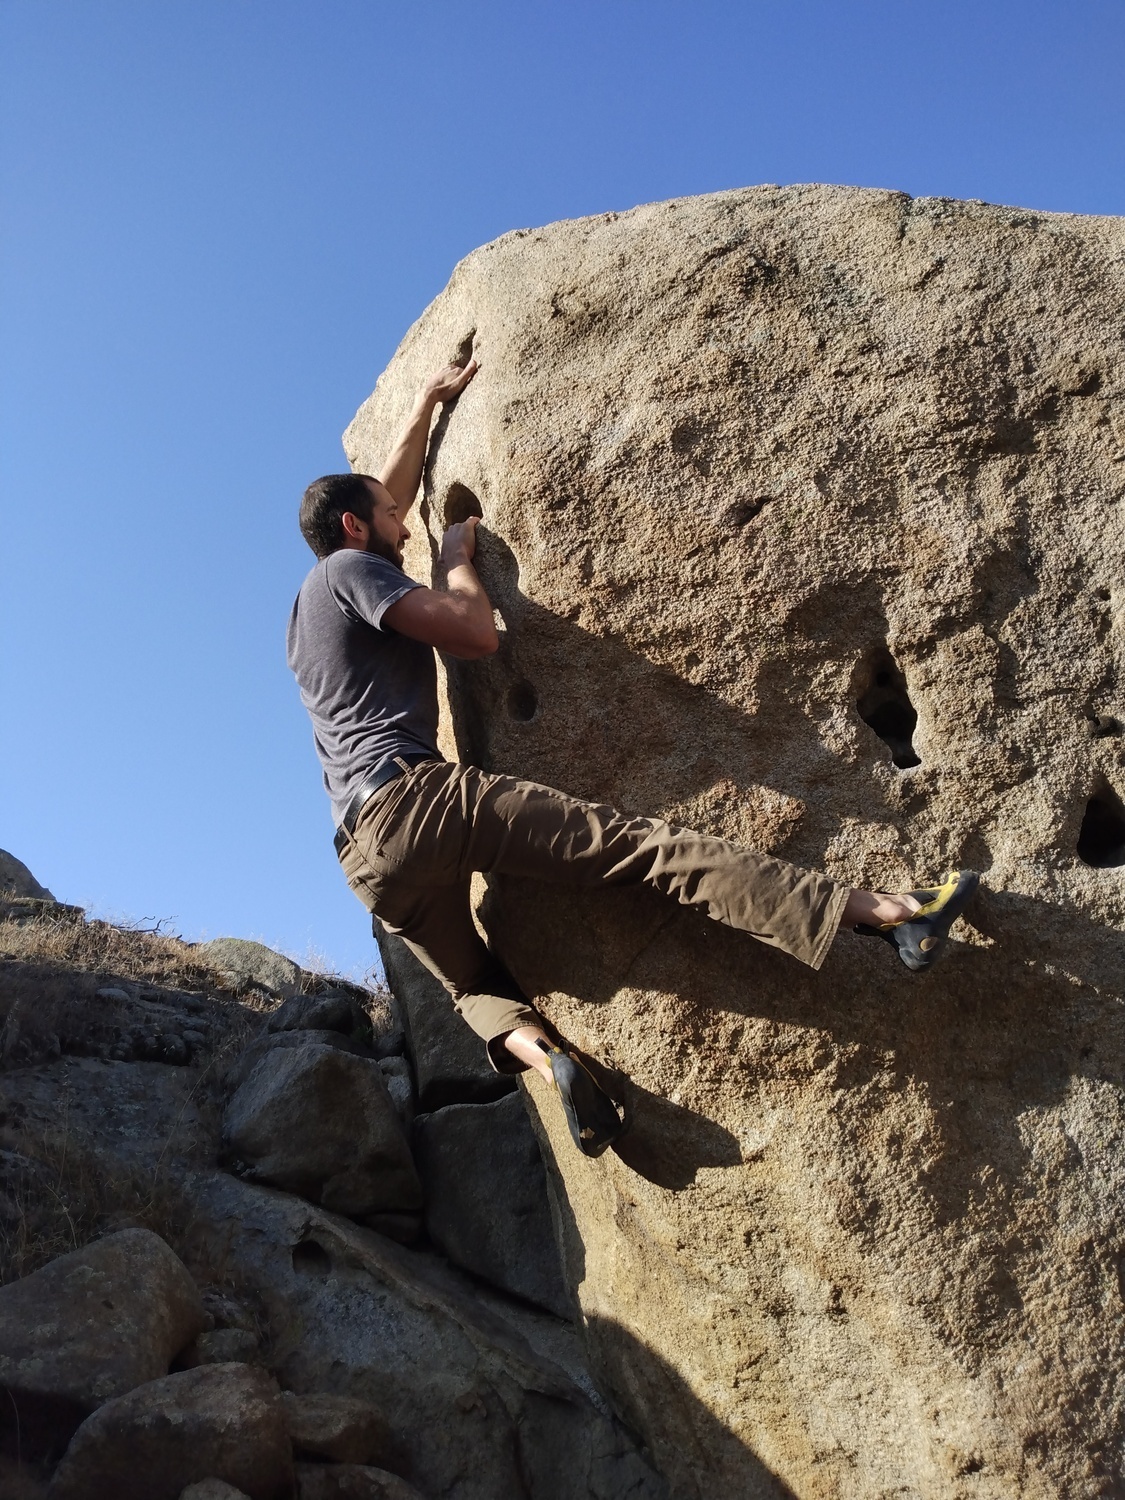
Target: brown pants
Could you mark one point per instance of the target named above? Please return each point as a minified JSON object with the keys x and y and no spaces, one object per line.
{"x":418,"y":840}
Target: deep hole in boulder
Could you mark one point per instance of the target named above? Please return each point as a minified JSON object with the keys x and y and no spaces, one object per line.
{"x":460,"y":504}
{"x":1101,"y":839}
{"x":884,"y":705}
{"x":311,"y":1259}
{"x":523,"y":701}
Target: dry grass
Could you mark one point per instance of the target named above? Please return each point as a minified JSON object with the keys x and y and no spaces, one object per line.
{"x":142,"y":955}
{"x":57,"y":1197}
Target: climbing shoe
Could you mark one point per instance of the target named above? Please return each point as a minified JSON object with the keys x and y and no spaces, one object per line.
{"x":919,"y":939}
{"x":591,"y":1106}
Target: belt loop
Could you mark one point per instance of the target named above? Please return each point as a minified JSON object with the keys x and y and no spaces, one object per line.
{"x":403,"y":765}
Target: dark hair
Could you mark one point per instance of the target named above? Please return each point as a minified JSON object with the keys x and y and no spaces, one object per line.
{"x":325,"y":501}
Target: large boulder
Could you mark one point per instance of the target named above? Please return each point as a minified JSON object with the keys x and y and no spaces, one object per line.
{"x":217,"y":1422}
{"x":319,"y":1122}
{"x":486,"y":1198}
{"x":89,"y":1326}
{"x":803,"y":511}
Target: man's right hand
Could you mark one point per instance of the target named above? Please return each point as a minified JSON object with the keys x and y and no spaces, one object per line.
{"x":459,"y":544}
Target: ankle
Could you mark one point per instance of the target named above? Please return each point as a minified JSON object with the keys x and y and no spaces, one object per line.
{"x":878,"y":908}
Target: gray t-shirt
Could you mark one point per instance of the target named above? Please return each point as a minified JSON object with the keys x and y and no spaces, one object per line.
{"x":371,"y":694}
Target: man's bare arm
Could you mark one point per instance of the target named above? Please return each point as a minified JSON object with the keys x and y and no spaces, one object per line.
{"x":402,"y":472}
{"x":458,"y":618}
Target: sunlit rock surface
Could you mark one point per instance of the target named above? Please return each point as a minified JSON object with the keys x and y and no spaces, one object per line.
{"x":803,"y":513}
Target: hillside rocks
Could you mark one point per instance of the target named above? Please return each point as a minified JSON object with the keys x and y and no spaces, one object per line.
{"x":320,"y":1122}
{"x":803,"y":513}
{"x":86,"y":1328}
{"x":396,"y":1374}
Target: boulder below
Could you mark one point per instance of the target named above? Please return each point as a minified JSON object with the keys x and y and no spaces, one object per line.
{"x":88,"y":1327}
{"x":218,"y":1422}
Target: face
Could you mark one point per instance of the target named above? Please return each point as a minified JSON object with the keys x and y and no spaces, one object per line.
{"x":386,"y":532}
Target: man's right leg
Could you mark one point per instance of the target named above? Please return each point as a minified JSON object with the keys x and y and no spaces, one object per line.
{"x":436,"y":923}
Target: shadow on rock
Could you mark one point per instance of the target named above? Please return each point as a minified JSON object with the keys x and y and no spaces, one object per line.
{"x":668,"y":1144}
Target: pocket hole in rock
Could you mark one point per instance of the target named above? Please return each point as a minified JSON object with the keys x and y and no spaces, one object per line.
{"x":311,"y":1259}
{"x":460,"y":504}
{"x":523,"y":702}
{"x":1101,"y":839}
{"x":884,"y":705}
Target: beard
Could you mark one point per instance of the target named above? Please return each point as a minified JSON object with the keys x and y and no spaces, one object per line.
{"x":381,"y":548}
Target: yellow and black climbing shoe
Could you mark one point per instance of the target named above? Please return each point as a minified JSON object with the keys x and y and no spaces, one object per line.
{"x":919,"y":939}
{"x":592,"y":1110}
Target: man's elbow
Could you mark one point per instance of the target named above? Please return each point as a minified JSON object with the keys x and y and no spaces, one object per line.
{"x":486,"y":644}
{"x":474,"y":647}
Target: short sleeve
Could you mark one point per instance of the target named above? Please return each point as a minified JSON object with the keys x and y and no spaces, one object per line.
{"x":365,"y":585}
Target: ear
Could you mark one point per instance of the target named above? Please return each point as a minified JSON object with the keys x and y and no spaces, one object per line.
{"x":356,"y":529}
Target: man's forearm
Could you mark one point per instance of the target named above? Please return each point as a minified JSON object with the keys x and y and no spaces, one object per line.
{"x":462,"y":582}
{"x":402,"y":472}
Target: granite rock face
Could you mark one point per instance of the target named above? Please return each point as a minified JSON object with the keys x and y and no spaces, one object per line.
{"x":804,"y":513}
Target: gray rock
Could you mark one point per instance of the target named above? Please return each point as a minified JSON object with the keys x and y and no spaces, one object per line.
{"x":89,"y":1326}
{"x":319,"y":1122}
{"x":486,"y":1198}
{"x":400,"y":1086}
{"x":251,"y":1055}
{"x":404,"y":1229}
{"x":331,"y":1012}
{"x":245,"y":963}
{"x":112,"y":992}
{"x":218,"y":1422}
{"x":340,"y":1428}
{"x":488,"y":1397}
{"x":223,"y":1346}
{"x":212,"y":1489}
{"x":449,"y":1060}
{"x":17,"y":880}
{"x":351,"y":1482}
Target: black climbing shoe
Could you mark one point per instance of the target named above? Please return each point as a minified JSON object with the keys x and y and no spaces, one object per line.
{"x":919,"y":939}
{"x":590,"y":1107}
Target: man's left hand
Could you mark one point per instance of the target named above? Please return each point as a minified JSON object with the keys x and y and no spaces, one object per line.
{"x":449,"y":382}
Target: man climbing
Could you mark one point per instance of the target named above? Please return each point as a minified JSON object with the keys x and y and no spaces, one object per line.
{"x":412,"y":827}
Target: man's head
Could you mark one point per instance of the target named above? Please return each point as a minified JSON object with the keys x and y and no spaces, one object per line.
{"x":355,"y":511}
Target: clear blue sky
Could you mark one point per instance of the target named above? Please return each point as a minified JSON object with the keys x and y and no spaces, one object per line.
{"x":218,"y":219}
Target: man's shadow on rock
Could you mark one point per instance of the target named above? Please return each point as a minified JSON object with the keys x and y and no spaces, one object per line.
{"x":998,"y":1028}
